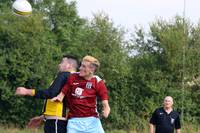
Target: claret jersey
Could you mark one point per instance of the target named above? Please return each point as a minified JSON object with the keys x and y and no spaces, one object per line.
{"x":81,"y":95}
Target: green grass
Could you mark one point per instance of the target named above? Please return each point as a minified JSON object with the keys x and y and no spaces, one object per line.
{"x":187,"y":128}
{"x":17,"y":130}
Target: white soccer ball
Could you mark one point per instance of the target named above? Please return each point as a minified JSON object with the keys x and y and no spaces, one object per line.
{"x":22,"y":8}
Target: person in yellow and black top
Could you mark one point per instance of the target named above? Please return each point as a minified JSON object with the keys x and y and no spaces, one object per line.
{"x":54,"y":113}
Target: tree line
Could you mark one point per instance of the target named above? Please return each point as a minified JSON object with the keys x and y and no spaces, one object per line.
{"x":139,"y":71}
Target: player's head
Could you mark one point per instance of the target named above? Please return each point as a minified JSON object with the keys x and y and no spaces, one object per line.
{"x":168,"y":102}
{"x":89,"y":66}
{"x":68,"y":63}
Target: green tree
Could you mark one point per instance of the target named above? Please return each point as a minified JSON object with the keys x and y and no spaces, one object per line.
{"x":161,"y":65}
{"x":30,"y":48}
{"x":64,"y":22}
{"x":26,"y":52}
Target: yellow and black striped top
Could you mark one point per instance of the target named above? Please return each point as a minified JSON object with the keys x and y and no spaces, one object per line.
{"x":53,"y":108}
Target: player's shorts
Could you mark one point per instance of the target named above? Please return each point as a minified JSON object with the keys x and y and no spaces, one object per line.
{"x":55,"y":126}
{"x":84,"y":125}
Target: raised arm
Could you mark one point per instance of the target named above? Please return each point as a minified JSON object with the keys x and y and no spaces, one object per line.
{"x":22,"y":91}
{"x":51,"y":92}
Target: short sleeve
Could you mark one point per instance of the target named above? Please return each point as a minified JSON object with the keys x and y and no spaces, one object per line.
{"x":177,"y":122}
{"x":102,"y":91}
{"x":153,"y":118}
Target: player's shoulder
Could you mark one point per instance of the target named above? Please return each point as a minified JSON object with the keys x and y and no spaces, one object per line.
{"x":174,"y":112}
{"x":63,"y":74}
{"x":159,"y":110}
{"x":97,"y":78}
{"x":74,"y":75}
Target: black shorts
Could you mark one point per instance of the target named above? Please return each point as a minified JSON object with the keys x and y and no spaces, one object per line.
{"x":55,"y":126}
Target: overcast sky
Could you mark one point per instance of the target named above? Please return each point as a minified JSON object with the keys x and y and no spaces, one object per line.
{"x":139,"y":12}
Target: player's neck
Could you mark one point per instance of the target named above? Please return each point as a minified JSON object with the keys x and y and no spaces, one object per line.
{"x":69,"y":70}
{"x":72,"y":71}
{"x":88,"y":77}
{"x":168,"y":109}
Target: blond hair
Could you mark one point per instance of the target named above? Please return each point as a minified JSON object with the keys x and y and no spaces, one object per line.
{"x":92,"y":60}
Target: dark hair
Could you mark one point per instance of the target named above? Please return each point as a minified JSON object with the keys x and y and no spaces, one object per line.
{"x":74,"y":58}
{"x":70,"y":57}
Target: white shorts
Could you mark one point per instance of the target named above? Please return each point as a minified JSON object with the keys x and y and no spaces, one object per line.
{"x":84,"y":125}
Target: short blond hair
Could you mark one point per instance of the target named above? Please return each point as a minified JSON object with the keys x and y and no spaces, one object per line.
{"x":92,"y":60}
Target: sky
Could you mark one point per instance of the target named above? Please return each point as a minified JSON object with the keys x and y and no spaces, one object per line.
{"x":130,"y":13}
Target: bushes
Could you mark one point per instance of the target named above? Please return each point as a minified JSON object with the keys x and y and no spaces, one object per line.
{"x":30,"y":49}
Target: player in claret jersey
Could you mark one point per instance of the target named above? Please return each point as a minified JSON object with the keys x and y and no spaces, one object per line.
{"x":82,"y":90}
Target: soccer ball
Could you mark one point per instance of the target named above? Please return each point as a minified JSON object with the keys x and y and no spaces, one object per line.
{"x":22,"y":8}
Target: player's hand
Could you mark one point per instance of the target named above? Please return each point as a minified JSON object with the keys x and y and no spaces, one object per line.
{"x":35,"y":122}
{"x":21,"y":91}
{"x":56,"y":99}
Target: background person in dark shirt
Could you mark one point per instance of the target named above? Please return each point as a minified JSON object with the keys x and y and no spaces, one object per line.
{"x":165,"y":119}
{"x":54,"y":113}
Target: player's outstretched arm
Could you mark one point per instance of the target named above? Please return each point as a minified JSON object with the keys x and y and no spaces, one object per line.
{"x":49,"y":93}
{"x":55,"y":87}
{"x":22,"y":91}
{"x":58,"y":98}
{"x":106,"y":108}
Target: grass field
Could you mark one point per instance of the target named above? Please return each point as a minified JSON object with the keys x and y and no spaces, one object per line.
{"x":15,"y":130}
{"x":2,"y":130}
{"x":187,"y":128}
